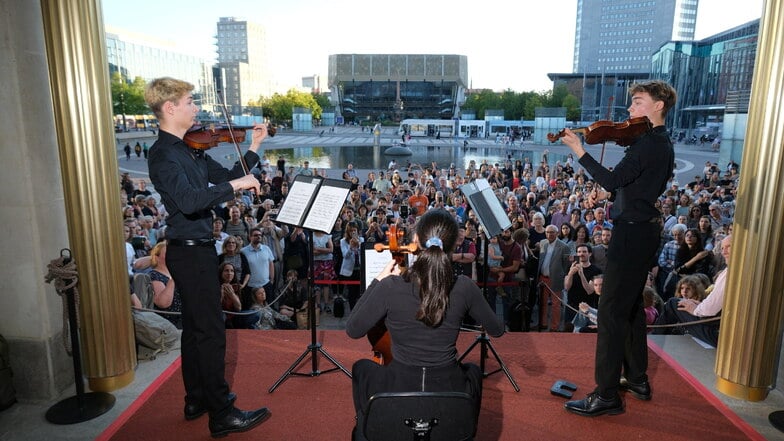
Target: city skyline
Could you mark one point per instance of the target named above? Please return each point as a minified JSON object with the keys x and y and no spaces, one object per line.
{"x":303,"y":33}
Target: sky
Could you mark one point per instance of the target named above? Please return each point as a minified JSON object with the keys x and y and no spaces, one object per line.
{"x":509,"y":44}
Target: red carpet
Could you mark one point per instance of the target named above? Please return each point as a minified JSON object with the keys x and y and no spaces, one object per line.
{"x":320,"y":408}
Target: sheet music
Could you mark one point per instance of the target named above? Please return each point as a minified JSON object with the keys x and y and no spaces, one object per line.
{"x":325,"y":209}
{"x":375,"y":262}
{"x":297,"y":201}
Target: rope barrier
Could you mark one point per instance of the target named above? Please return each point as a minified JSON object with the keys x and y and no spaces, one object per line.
{"x":674,"y":325}
{"x":65,"y":276}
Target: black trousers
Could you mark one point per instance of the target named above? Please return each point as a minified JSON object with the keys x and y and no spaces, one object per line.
{"x":622,"y":339}
{"x":195,"y":273}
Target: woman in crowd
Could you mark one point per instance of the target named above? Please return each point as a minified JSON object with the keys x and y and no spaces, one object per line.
{"x":323,"y":267}
{"x":351,"y":250}
{"x":692,"y":257}
{"x":165,"y":295}
{"x":231,"y":254}
{"x":268,"y":318}
{"x":422,"y":309}
{"x":706,"y":232}
{"x":230,"y":292}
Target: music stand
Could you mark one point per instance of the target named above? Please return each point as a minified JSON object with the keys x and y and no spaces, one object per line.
{"x":312,"y":204}
{"x":494,"y":221}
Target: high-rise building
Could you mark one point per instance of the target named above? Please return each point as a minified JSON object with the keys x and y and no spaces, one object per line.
{"x":620,"y":35}
{"x":244,"y":63}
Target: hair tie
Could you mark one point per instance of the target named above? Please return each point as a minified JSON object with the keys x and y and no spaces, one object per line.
{"x":434,"y":241}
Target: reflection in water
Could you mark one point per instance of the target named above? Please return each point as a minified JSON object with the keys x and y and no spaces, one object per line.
{"x":374,"y":158}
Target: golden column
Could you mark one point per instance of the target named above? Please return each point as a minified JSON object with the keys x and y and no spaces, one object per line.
{"x":751,"y":324}
{"x":79,"y":80}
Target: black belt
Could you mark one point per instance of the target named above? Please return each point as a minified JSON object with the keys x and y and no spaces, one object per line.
{"x":191,"y":242}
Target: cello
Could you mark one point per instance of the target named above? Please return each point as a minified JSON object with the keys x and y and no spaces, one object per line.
{"x":378,"y":335}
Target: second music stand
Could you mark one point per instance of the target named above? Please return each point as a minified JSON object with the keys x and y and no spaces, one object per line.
{"x":494,"y":221}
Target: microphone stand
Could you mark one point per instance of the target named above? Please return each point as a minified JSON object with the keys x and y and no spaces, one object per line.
{"x":483,"y":340}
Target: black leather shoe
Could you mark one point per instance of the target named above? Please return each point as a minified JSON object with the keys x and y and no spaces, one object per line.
{"x":641,"y":391}
{"x":193,"y":411}
{"x":594,"y":405}
{"x":238,"y":421}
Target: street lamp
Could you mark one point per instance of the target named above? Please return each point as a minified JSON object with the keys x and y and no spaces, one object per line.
{"x":122,"y":109}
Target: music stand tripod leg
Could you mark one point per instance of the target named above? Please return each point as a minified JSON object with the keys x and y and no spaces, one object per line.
{"x":315,"y":347}
{"x":483,"y":340}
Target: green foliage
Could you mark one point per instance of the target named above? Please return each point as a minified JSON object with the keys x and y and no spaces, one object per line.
{"x":279,"y":107}
{"x":128,"y":97}
{"x":522,"y":105}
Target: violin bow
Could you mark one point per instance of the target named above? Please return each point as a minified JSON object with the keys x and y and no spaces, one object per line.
{"x":231,"y":132}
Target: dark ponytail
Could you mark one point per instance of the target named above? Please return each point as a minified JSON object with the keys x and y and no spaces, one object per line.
{"x":436,"y":232}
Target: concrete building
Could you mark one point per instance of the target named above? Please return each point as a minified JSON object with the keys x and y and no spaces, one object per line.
{"x":376,"y":87}
{"x":243,"y":61}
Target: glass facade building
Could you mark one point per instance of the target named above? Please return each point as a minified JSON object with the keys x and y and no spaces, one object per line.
{"x":712,"y":76}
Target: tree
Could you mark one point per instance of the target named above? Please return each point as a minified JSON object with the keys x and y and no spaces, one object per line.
{"x":572,"y":105}
{"x":128,"y":98}
{"x":279,"y":107}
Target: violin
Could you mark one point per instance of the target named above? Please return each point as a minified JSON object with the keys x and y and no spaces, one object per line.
{"x":206,"y":137}
{"x":379,"y":335}
{"x":622,"y":133}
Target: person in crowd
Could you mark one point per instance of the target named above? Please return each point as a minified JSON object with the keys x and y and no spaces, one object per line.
{"x":351,"y":250}
{"x":666,"y":262}
{"x":649,"y":299}
{"x":324,"y":268}
{"x":686,"y":311}
{"x":295,"y":254}
{"x":166,"y":298}
{"x":599,"y":255}
{"x":692,"y":257}
{"x":668,"y":218}
{"x":181,"y":176}
{"x":692,"y":288}
{"x":577,"y":282}
{"x":236,"y":226}
{"x":274,"y":237}
{"x":494,"y":260}
{"x":512,"y":257}
{"x":231,"y":253}
{"x":553,"y":267}
{"x":586,"y":321}
{"x":464,"y":254}
{"x":230,"y":294}
{"x":268,"y":317}
{"x":536,"y":234}
{"x":634,"y":184}
{"x":424,"y":326}
{"x":599,"y":221}
{"x":218,"y":235}
{"x":261,"y":263}
{"x":717,"y":218}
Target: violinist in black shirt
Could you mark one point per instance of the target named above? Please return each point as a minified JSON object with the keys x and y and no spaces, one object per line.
{"x":181,"y":175}
{"x":635,"y":184}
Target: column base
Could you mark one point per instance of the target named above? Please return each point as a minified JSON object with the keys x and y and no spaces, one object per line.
{"x":108,"y":384}
{"x":740,"y":391}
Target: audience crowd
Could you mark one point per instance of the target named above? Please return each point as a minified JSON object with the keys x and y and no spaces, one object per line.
{"x":555,"y":240}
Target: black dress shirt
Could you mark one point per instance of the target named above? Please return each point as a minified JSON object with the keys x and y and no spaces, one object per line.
{"x":639,"y":178}
{"x":181,"y":176}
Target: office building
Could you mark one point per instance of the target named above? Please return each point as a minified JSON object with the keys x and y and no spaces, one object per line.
{"x":620,"y":35}
{"x":243,"y":61}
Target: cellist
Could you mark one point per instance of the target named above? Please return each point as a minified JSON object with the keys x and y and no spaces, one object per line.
{"x":422,"y":310}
